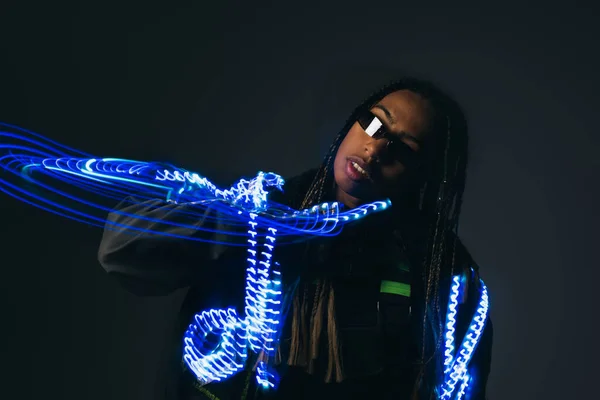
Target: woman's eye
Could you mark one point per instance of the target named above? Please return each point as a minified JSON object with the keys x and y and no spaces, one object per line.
{"x":400,"y":145}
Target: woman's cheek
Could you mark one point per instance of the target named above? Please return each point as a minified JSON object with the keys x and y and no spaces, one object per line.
{"x":394,"y":172}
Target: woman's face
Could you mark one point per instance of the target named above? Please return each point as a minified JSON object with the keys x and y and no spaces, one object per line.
{"x":406,"y":116}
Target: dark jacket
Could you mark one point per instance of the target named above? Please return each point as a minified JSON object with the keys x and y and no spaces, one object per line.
{"x":377,"y":327}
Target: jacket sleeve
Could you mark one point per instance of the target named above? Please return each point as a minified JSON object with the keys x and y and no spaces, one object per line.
{"x":160,"y":262}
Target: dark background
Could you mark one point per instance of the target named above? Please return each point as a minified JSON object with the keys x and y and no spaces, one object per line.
{"x":229,"y":88}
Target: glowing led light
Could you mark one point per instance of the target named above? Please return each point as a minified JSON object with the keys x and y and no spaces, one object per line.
{"x":267,"y":378}
{"x":217,"y":342}
{"x":456,"y":366}
{"x":261,"y":322}
{"x":450,"y":323}
{"x":113,"y":179}
{"x":463,"y":387}
{"x":211,"y":361}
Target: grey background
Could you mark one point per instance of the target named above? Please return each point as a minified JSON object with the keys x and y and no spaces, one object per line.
{"x":231,"y":88}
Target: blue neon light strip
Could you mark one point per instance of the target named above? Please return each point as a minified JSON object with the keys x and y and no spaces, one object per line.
{"x":217,"y":341}
{"x":456,"y":363}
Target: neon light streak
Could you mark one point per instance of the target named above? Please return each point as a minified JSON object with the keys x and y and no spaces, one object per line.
{"x":256,"y":331}
{"x":456,"y":366}
{"x":450,"y":323}
{"x":217,"y":341}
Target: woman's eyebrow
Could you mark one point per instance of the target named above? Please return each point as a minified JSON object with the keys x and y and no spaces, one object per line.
{"x":387,"y":113}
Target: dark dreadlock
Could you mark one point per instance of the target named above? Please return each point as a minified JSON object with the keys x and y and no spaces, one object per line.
{"x":439,"y":199}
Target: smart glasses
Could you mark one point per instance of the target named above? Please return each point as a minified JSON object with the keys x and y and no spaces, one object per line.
{"x":396,"y":149}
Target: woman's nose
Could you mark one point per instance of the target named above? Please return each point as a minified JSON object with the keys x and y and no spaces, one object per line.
{"x":376,"y":148}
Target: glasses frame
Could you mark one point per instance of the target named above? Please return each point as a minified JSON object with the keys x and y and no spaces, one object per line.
{"x":395,"y":148}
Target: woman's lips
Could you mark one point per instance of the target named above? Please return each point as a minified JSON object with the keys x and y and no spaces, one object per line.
{"x":360,"y":162}
{"x":353,"y":173}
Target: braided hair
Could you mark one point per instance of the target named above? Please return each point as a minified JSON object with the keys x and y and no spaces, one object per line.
{"x":438,"y":199}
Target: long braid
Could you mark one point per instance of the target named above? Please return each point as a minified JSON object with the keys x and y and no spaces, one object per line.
{"x":431,"y":274}
{"x":440,"y":201}
{"x":448,"y":204}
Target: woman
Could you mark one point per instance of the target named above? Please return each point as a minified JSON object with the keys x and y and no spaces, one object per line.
{"x":368,"y":306}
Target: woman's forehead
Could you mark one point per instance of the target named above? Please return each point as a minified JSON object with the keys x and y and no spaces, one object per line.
{"x":404,"y":110}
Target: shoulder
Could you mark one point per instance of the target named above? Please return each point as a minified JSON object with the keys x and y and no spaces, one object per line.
{"x":462,"y":256}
